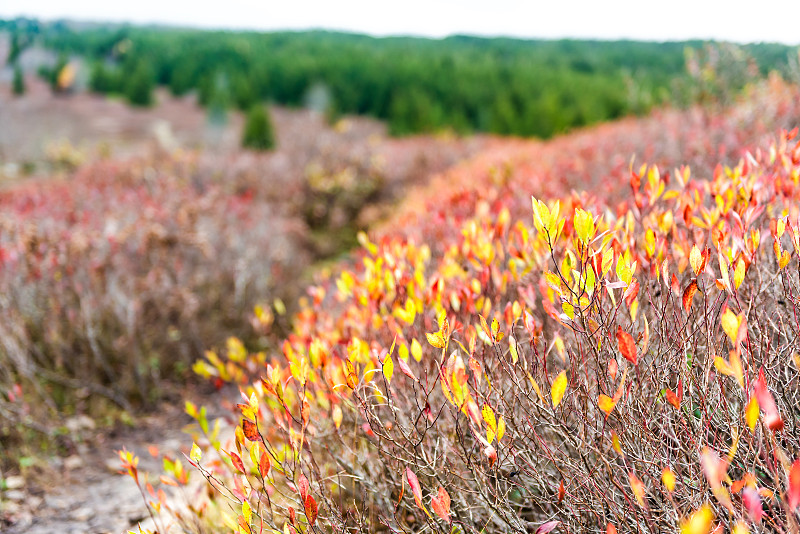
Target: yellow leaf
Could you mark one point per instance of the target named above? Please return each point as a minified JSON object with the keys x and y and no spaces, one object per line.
{"x":489,"y":418}
{"x":403,"y":352}
{"x":558,"y":389}
{"x":435,"y":339}
{"x":699,"y":522}
{"x":615,"y":444}
{"x":695,"y":259}
{"x":723,"y":366}
{"x":606,"y":404}
{"x":751,"y":412}
{"x":388,"y":368}
{"x":485,"y":328}
{"x":247,"y":512}
{"x":785,"y":257}
{"x":584,"y":225}
{"x":730,"y":324}
{"x":553,"y":281}
{"x":738,"y":273}
{"x":512,"y":347}
{"x":536,"y":388}
{"x":668,"y":478}
{"x":195,"y":454}
{"x":541,"y":215}
{"x":416,"y":350}
{"x":337,"y":416}
{"x":501,"y":428}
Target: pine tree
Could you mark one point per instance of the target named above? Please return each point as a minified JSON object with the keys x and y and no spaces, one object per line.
{"x":19,"y":81}
{"x":140,"y":85}
{"x":258,"y":131}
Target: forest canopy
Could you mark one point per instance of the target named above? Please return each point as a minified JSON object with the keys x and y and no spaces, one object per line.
{"x":461,"y":83}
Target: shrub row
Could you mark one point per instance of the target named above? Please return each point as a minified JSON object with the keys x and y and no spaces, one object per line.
{"x":628,"y":361}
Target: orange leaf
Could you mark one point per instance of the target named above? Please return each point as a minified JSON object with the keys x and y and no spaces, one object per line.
{"x":306,"y":411}
{"x":441,"y":504}
{"x":638,"y":489}
{"x":627,"y":347}
{"x":350,"y":377}
{"x":310,"y":506}
{"x":250,"y":431}
{"x":606,"y":404}
{"x":264,"y":465}
{"x":688,"y":295}
{"x":672,"y":398}
{"x":793,"y":494}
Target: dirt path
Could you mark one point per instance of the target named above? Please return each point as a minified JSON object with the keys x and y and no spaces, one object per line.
{"x":84,"y":493}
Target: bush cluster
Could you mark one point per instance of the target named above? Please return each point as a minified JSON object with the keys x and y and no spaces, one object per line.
{"x":120,"y":275}
{"x":624,"y":359}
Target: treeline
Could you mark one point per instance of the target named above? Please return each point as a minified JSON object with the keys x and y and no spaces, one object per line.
{"x":505,"y":86}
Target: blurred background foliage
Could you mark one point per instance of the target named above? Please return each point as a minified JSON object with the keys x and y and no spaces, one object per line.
{"x":464,"y":84}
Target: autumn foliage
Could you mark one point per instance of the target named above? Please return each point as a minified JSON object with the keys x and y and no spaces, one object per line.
{"x":617,"y":353}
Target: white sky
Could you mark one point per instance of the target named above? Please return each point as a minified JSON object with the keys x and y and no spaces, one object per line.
{"x":732,"y":20}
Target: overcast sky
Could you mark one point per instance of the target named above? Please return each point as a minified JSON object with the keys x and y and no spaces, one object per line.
{"x":733,"y":20}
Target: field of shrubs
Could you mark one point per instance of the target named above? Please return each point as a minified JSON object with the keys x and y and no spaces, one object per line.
{"x":596,"y":334}
{"x":117,"y":274}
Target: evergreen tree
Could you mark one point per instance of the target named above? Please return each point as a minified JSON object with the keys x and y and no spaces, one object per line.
{"x":14,"y":50}
{"x":140,"y":85}
{"x":258,"y":132}
{"x":19,"y":81}
{"x":102,"y":80}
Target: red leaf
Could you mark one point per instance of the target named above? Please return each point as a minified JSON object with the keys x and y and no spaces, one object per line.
{"x":250,"y":431}
{"x":794,"y":486}
{"x":688,"y":295}
{"x":561,"y":491}
{"x":237,"y":461}
{"x":303,"y":486}
{"x":752,"y":502}
{"x":547,"y":527}
{"x":627,"y":347}
{"x":631,"y":292}
{"x":310,"y":506}
{"x":613,"y":368}
{"x":406,"y":369}
{"x":767,"y":403}
{"x":413,"y":481}
{"x":611,"y":529}
{"x":441,"y":504}
{"x":264,"y":465}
